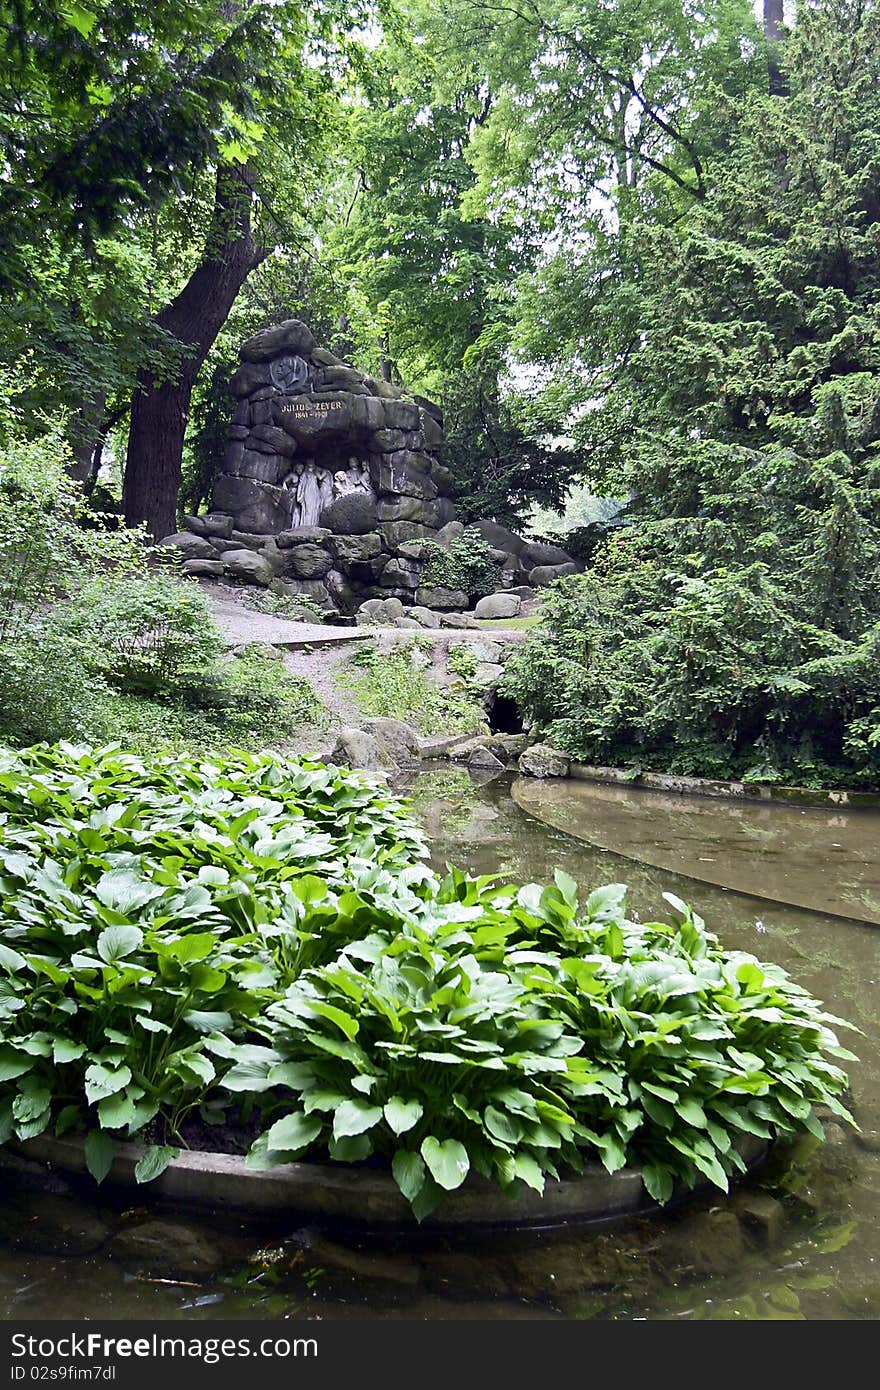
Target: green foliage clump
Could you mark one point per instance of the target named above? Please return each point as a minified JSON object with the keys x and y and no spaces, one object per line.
{"x":259,"y":937}
{"x":144,"y":906}
{"x":50,"y":544}
{"x":398,"y":685}
{"x":150,"y":635}
{"x":463,"y":563}
{"x":251,"y":703}
{"x":714,"y":672}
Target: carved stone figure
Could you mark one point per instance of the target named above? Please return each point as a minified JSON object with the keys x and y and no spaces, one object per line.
{"x":290,"y":374}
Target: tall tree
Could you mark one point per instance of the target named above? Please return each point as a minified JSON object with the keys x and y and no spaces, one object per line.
{"x":160,"y":410}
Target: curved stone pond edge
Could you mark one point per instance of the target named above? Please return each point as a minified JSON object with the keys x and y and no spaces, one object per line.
{"x":837,"y":797}
{"x":363,"y":1196}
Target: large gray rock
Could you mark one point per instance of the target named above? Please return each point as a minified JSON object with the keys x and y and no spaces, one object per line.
{"x":349,"y":550}
{"x":248,"y":567}
{"x":449,"y":533}
{"x":315,"y":420}
{"x":308,"y":561}
{"x":400,"y":415}
{"x":396,"y":533}
{"x":485,"y":760}
{"x":352,"y":515}
{"x":255,"y":506}
{"x":435,"y":596}
{"x":406,"y":473}
{"x":542,"y":575}
{"x":380,"y":612}
{"x":340,"y":590}
{"x":290,"y":337}
{"x":501,"y":538}
{"x":302,"y":535}
{"x":423,"y":616}
{"x":276,"y":441}
{"x":190,"y":546}
{"x":314,"y":589}
{"x":480,"y":650}
{"x":207,"y":569}
{"x":431,"y":429}
{"x":488,"y":675}
{"x":543,"y":761}
{"x":497,"y":606}
{"x":342,"y":377}
{"x":504,"y":746}
{"x":398,"y":742}
{"x":266,"y":468}
{"x":249,"y":377}
{"x":382,"y":744}
{"x":356,"y":748}
{"x":168,"y":1246}
{"x":401,"y":574}
{"x":534,"y":553}
{"x":459,"y":620}
{"x":216,"y":524}
{"x":390,"y":440}
{"x":399,"y":508}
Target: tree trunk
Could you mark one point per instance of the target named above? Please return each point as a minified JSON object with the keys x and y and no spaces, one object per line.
{"x":86,"y":438}
{"x":774,"y":33}
{"x":160,"y":410}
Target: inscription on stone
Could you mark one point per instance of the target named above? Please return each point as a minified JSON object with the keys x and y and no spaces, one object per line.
{"x":310,"y":407}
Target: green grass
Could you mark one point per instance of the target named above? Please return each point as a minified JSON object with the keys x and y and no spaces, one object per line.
{"x":512,"y":623}
{"x":395,"y":685}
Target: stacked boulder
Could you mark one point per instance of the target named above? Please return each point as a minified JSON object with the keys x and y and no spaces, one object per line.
{"x":332,"y":482}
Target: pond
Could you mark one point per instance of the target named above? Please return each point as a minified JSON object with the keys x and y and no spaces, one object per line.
{"x":801,"y":1240}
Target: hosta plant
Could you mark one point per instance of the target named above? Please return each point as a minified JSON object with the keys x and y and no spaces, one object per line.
{"x":260,"y":941}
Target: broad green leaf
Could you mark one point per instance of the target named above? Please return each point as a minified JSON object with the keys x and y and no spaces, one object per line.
{"x":529,"y":1171}
{"x":154,"y":1161}
{"x":116,"y":1111}
{"x":294,"y":1132}
{"x":114,"y":943}
{"x":503,"y":1126}
{"x":13,"y":1064}
{"x":447,"y":1161}
{"x":354,"y":1117}
{"x":105,"y":1081}
{"x":402,"y":1114}
{"x":409,"y":1172}
{"x":99,"y":1151}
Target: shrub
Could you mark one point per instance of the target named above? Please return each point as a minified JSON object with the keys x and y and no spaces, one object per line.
{"x":250,"y":703}
{"x":151,"y":635}
{"x":465,"y":563}
{"x":50,"y":544}
{"x":256,"y":936}
{"x":713,"y":673}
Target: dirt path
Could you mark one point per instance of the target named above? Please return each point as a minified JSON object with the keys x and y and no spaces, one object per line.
{"x":317,"y":652}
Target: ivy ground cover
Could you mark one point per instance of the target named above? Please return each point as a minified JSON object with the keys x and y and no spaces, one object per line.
{"x":258,"y":943}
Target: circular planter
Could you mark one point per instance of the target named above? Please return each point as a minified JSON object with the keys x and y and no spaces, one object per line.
{"x":366,"y":1196}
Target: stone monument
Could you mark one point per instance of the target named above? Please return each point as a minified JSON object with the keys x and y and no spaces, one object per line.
{"x":309,"y":430}
{"x":330,"y":482}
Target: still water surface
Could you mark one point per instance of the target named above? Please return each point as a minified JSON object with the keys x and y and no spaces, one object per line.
{"x":803,"y":1241}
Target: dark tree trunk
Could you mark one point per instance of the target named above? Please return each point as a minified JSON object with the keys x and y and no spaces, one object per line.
{"x":159,"y":411}
{"x":774,"y":33}
{"x":86,"y":438}
{"x":385,"y":363}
